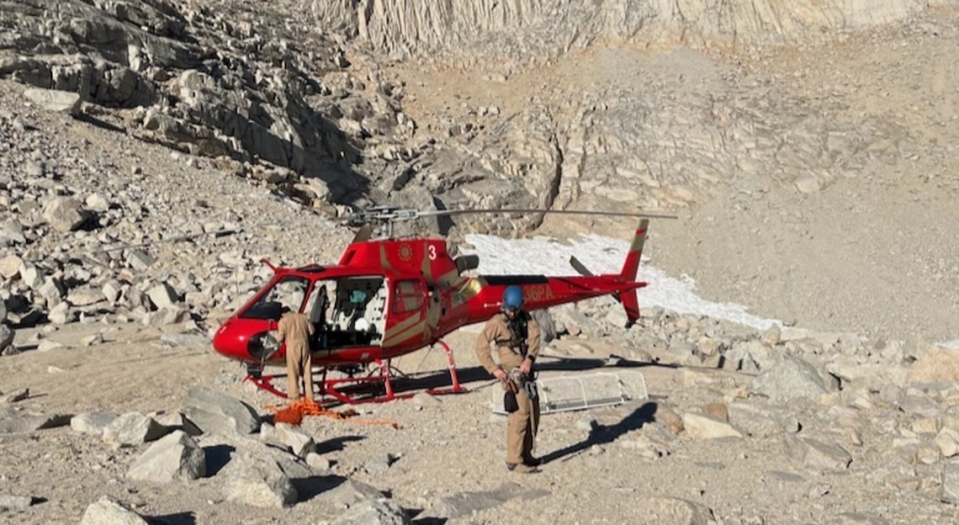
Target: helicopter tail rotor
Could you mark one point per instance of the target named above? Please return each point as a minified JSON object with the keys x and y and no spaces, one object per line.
{"x":631,"y":265}
{"x":629,"y":299}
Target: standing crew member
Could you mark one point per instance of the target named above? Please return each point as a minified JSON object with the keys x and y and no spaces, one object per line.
{"x":516,"y":336}
{"x":296,"y":329}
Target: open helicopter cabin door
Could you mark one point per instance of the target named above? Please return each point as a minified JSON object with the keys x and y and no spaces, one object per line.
{"x":359,"y":312}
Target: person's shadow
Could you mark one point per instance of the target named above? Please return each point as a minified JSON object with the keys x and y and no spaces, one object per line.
{"x":601,"y":435}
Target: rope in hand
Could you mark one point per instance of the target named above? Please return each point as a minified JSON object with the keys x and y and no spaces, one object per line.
{"x":294,"y":413}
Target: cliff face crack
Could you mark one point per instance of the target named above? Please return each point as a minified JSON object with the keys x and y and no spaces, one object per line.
{"x":557,"y":174}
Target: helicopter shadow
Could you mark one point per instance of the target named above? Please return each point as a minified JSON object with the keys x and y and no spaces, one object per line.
{"x":477,"y":374}
{"x":605,"y":434}
{"x":438,"y":381}
{"x":336,"y":444}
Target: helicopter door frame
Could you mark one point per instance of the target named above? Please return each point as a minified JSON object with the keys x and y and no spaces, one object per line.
{"x":409,"y":300}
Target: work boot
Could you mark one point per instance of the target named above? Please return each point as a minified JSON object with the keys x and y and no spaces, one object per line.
{"x":521,"y":468}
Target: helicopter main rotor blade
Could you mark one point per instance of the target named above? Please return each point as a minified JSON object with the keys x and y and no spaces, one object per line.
{"x":579,"y":267}
{"x":433,"y":213}
{"x":364,"y":234}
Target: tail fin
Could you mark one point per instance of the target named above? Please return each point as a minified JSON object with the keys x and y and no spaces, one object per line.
{"x":631,"y":266}
{"x":630,"y":299}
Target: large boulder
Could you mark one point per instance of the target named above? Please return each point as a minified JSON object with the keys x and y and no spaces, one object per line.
{"x":17,"y":422}
{"x":175,"y":457}
{"x":108,"y":511}
{"x":213,"y":412}
{"x":53,"y":100}
{"x":379,"y":512}
{"x":258,"y":481}
{"x":92,"y":422}
{"x":64,"y":214}
{"x":133,"y":429}
{"x":790,"y":379}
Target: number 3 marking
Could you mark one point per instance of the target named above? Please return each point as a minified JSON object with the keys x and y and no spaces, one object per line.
{"x":432,"y":250}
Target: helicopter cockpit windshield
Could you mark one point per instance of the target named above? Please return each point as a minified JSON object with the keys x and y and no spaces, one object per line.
{"x":288,"y":291}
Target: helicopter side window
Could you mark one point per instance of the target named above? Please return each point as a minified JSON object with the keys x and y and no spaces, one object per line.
{"x":288,"y":291}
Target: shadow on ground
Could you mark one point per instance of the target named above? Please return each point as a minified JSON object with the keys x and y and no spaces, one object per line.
{"x":407,"y":385}
{"x":604,"y":434}
{"x":180,"y":518}
{"x":313,"y":486}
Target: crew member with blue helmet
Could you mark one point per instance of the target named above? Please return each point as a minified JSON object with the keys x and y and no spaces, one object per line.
{"x":516,"y":336}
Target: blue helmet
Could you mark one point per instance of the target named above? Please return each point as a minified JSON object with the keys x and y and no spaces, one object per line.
{"x":512,"y":298}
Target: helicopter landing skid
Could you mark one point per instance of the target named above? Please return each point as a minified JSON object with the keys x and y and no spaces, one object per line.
{"x":383,"y":374}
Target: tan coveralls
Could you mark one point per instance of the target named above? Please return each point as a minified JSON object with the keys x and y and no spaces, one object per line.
{"x":521,"y":426}
{"x":296,"y":329}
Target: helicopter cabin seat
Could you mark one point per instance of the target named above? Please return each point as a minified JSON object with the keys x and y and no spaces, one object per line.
{"x":376,"y":316}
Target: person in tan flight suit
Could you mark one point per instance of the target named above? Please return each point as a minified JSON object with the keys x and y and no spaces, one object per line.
{"x":516,"y":336}
{"x":296,"y":329}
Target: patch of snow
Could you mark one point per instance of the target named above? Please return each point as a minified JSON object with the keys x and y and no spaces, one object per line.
{"x":545,"y":256}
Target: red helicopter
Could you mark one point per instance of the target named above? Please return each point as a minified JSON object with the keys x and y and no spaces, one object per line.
{"x":389,"y":297}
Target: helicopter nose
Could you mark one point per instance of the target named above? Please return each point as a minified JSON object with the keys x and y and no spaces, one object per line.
{"x":227,"y":342}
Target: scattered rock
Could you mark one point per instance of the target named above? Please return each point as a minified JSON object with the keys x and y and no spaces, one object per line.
{"x":64,"y":214}
{"x":950,"y":483}
{"x":133,"y":429}
{"x":14,"y":422}
{"x":257,"y":481}
{"x":92,"y":422}
{"x":17,"y":395}
{"x":108,"y":511}
{"x":816,"y":454}
{"x":52,"y":100}
{"x":318,"y":462}
{"x":349,"y":493}
{"x":790,"y":379}
{"x":176,"y":457}
{"x":705,"y":427}
{"x":213,"y":412}
{"x":300,"y":443}
{"x":15,"y":502}
{"x":380,"y":512}
{"x":670,"y":510}
{"x":176,"y":421}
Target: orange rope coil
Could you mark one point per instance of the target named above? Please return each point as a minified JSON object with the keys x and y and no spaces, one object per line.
{"x":295,"y":412}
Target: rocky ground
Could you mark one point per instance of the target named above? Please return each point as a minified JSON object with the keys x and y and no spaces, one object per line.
{"x":815,"y":183}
